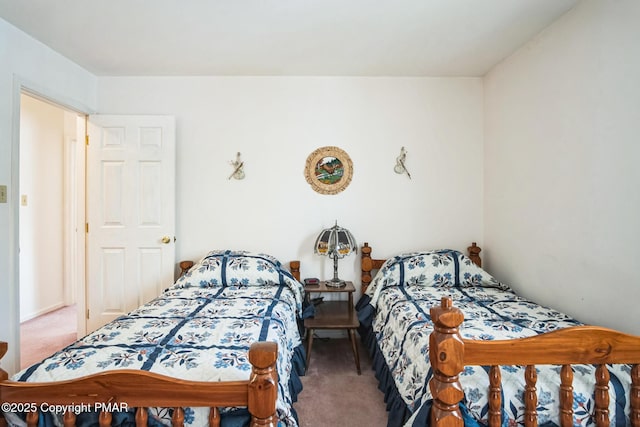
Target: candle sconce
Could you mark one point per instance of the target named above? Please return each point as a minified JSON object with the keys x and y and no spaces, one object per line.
{"x":238,"y":168}
{"x":400,"y":166}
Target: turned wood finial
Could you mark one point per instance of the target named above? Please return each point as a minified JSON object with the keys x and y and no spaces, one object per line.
{"x":446,"y":353}
{"x":185,"y":266}
{"x":294,"y":266}
{"x":366,"y":249}
{"x":474,"y":254}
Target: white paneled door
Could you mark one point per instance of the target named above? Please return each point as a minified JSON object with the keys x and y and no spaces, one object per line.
{"x":130,"y":213}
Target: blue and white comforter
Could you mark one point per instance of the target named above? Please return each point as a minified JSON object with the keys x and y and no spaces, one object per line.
{"x":199,"y":329}
{"x":394,"y":313}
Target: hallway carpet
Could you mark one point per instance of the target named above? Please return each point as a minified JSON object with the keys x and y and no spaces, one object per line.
{"x":334,"y":394}
{"x":42,"y":336}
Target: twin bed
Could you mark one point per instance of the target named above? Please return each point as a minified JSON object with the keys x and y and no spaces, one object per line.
{"x":219,"y":347}
{"x":222,"y":347}
{"x":436,"y":370}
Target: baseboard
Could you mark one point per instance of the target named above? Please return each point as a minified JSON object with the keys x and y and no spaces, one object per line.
{"x":42,"y":311}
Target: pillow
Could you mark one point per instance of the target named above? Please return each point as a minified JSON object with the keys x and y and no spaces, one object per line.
{"x":234,"y":268}
{"x":440,"y":268}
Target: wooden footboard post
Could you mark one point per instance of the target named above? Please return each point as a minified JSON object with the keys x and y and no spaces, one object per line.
{"x":3,"y":377}
{"x":446,"y":353}
{"x":263,"y":384}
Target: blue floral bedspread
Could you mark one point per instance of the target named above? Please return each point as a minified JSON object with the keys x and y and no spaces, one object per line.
{"x":199,"y":329}
{"x":395,"y":324}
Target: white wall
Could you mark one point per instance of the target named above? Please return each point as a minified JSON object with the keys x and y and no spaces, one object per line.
{"x":562,"y":197}
{"x":41,"y":219}
{"x":29,"y":63}
{"x":276,"y":122}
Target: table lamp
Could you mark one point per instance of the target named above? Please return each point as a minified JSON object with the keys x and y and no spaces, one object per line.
{"x":335,"y":242}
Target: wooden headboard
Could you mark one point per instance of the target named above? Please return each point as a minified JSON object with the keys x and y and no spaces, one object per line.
{"x":367,"y":264}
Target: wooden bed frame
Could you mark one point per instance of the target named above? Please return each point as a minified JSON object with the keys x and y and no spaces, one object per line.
{"x":111,"y":390}
{"x":449,"y":353}
{"x":141,"y":389}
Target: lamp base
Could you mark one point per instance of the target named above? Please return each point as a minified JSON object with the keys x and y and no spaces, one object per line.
{"x":335,"y":283}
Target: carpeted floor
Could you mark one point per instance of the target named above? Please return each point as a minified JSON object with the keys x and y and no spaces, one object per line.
{"x":334,"y":394}
{"x":44,"y":335}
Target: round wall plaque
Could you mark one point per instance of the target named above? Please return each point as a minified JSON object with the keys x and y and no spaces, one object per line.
{"x":328,"y":170}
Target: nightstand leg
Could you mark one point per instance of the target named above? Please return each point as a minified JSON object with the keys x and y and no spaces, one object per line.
{"x":309,"y":343}
{"x":354,"y":345}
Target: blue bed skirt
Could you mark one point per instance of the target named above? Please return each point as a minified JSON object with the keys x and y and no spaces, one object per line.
{"x":398,"y":411}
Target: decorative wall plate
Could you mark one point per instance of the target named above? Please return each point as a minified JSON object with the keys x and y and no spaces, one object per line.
{"x":328,"y":170}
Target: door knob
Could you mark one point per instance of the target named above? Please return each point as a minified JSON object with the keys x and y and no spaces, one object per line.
{"x":166,"y":240}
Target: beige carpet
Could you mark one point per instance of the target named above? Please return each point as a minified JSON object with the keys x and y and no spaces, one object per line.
{"x":334,"y":394}
{"x":44,"y":335}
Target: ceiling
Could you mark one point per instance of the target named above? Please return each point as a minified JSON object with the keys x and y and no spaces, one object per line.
{"x":284,"y":37}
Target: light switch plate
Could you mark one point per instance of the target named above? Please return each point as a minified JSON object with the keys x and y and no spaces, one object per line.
{"x":3,"y":194}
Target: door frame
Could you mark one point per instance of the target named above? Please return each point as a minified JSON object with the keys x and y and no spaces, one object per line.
{"x":20,"y":86}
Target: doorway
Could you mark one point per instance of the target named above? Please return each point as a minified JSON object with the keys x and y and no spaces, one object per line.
{"x":51,"y":236}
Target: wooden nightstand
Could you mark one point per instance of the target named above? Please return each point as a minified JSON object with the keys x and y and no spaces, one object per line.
{"x":333,"y":315}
